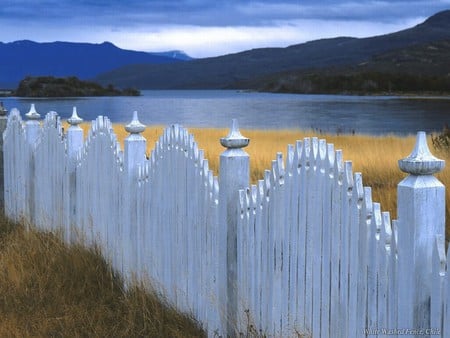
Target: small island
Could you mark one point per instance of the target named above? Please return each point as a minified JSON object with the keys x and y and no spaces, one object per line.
{"x":49,"y":86}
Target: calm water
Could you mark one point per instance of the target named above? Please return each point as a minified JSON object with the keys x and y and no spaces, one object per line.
{"x":215,"y":108}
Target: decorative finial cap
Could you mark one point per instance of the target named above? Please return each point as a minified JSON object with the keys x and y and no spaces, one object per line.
{"x":421,"y":161}
{"x":234,"y":139}
{"x":74,"y":120}
{"x":33,"y":114}
{"x":135,"y":127}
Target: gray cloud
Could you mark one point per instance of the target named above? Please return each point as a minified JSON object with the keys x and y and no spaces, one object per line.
{"x":151,"y":25}
{"x":215,"y":13}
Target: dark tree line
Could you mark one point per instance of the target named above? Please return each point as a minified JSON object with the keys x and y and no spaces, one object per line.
{"x":360,"y":83}
{"x":49,"y":86}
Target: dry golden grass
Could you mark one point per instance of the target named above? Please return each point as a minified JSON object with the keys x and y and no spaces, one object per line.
{"x":375,"y":157}
{"x":50,"y":290}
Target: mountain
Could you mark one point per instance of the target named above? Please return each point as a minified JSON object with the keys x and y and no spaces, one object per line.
{"x":84,"y":60}
{"x":241,"y":69}
{"x":420,"y":69}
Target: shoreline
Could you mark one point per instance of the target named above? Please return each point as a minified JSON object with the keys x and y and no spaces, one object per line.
{"x":407,"y":95}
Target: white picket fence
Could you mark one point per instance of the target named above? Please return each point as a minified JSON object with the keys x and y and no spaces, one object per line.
{"x":305,"y":251}
{"x":315,"y":252}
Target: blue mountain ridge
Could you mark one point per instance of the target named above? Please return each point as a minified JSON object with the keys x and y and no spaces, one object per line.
{"x":59,"y":59}
{"x":244,"y":70}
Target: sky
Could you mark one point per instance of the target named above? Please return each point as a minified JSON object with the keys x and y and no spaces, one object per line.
{"x":204,"y":28}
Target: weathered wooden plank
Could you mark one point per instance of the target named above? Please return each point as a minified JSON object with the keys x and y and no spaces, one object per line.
{"x":253,"y":256}
{"x":266,"y":291}
{"x":306,"y":262}
{"x":317,"y":229}
{"x":363,"y":249}
{"x":393,"y":279}
{"x":383,"y":250}
{"x":276,"y":234}
{"x":259,"y":255}
{"x":295,"y":240}
{"x":347,"y":191}
{"x":241,"y":257}
{"x":438,"y":283}
{"x":335,"y":308}
{"x":356,"y":214}
{"x":326,"y":241}
{"x":287,"y":240}
{"x":372,"y":268}
{"x":446,"y":296}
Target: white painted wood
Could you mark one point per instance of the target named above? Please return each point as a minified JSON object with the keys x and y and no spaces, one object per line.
{"x":336,"y":225}
{"x":393,"y":278}
{"x":308,"y":226}
{"x":421,"y":215}
{"x":446,"y":297}
{"x":326,"y":242}
{"x":303,"y":251}
{"x":354,"y":329}
{"x":318,"y":225}
{"x":234,"y":175}
{"x":301,"y":274}
{"x":383,"y":245}
{"x":74,"y":144}
{"x":438,"y":282}
{"x":345,"y":246}
{"x":15,"y":156}
{"x":363,"y":249}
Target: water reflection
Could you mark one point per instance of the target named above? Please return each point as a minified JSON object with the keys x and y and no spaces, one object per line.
{"x":215,"y":108}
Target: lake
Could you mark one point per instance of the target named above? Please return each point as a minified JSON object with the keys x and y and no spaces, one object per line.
{"x":215,"y":108}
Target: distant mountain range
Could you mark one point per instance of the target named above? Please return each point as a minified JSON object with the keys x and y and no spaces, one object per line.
{"x":419,"y":69}
{"x":382,"y":63}
{"x":84,"y":60}
{"x":254,"y":68}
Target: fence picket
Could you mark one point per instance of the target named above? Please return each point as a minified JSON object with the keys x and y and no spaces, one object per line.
{"x":295,"y":240}
{"x":446,"y":296}
{"x":354,"y":254}
{"x":437,"y":290}
{"x":335,"y":310}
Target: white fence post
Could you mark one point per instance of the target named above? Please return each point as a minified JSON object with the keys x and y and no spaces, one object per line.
{"x":32,"y":130}
{"x":421,"y":216}
{"x":3,"y":120}
{"x":74,"y":144}
{"x":135,"y":146}
{"x":234,"y":175}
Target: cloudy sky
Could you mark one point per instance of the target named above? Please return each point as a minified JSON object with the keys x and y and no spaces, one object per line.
{"x":204,"y":28}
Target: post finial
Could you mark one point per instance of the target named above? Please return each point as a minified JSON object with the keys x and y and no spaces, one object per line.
{"x":33,"y":114}
{"x":421,"y":161}
{"x":74,"y":120}
{"x":135,"y":127}
{"x":234,"y":139}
